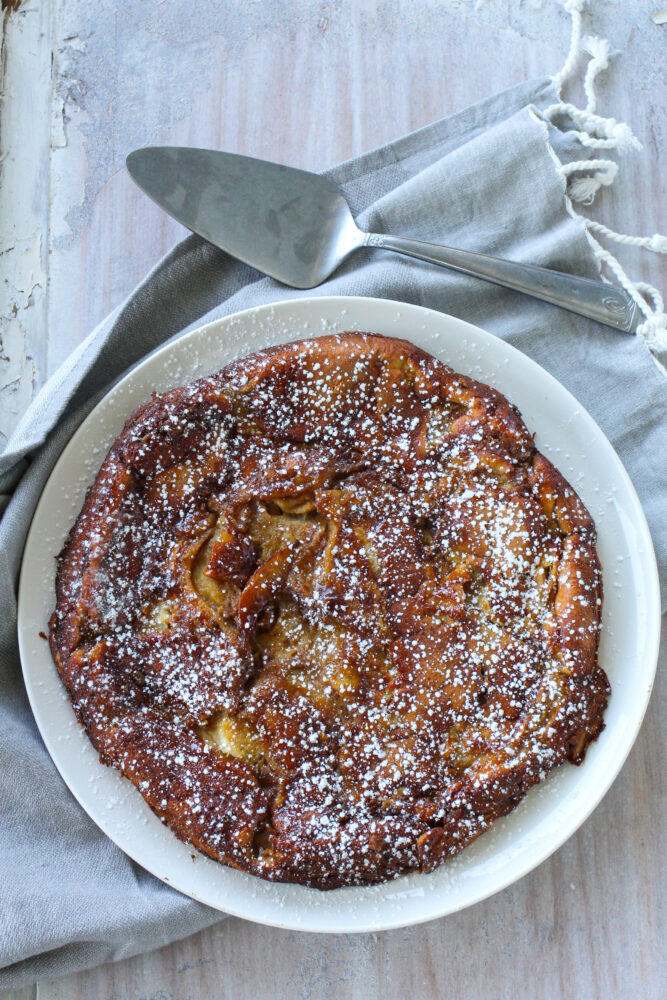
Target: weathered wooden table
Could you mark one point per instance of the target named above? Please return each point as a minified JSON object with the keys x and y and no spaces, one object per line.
{"x":311,"y":82}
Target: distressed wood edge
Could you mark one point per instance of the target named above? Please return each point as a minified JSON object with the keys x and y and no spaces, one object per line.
{"x":25,"y":86}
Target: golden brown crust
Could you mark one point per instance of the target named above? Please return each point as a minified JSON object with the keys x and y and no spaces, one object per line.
{"x":331,"y":611}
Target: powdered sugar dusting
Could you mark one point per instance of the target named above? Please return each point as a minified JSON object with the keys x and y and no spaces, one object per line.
{"x":331,"y":613}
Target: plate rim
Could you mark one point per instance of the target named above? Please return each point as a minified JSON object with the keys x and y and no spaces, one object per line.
{"x":653,"y":612}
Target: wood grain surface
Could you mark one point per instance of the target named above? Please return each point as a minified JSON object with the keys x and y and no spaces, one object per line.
{"x":311,"y":82}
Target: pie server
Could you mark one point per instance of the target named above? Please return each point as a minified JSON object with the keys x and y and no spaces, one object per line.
{"x":297,"y":227}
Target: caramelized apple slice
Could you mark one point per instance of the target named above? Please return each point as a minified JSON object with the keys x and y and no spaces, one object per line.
{"x":264,"y":586}
{"x":233,"y":557}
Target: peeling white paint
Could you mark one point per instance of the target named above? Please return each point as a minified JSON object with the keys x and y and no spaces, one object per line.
{"x":58,"y":135}
{"x":23,"y":294}
{"x":26,"y":82}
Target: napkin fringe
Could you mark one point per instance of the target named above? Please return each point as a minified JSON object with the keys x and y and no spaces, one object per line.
{"x":584,"y":178}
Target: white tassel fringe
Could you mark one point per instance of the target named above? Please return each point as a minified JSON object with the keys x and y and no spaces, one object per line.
{"x":584,"y":178}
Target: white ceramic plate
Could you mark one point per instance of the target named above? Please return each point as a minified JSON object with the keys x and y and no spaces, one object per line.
{"x":550,"y":813}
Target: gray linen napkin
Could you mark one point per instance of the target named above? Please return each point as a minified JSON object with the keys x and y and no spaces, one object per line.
{"x":482,"y":179}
